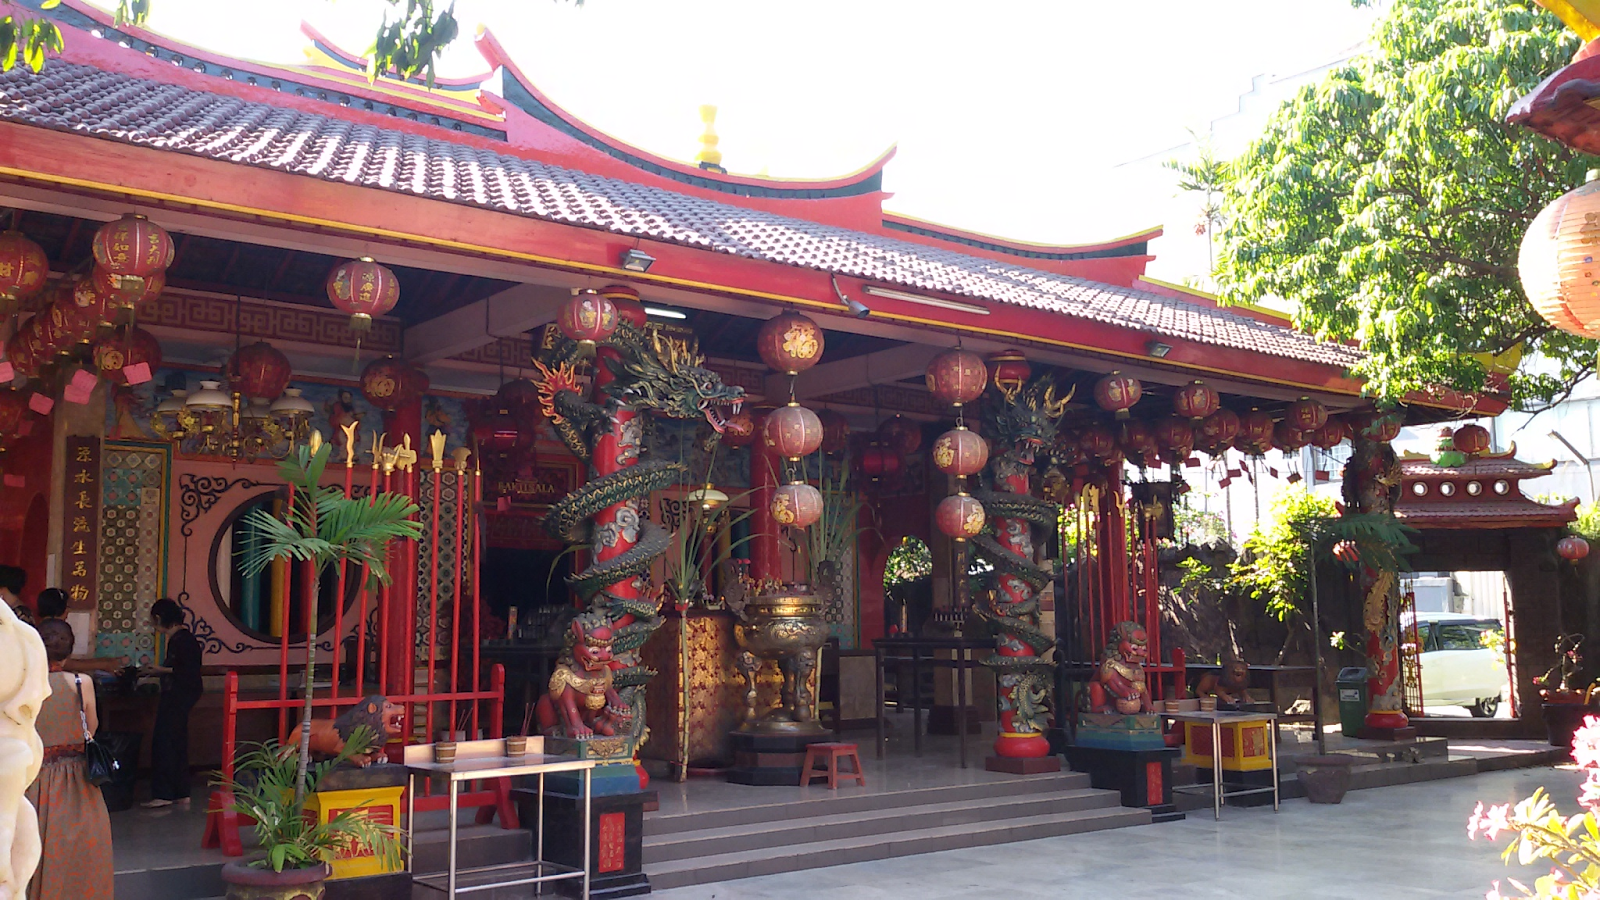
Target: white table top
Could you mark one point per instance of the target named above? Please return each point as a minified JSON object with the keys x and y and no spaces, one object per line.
{"x":503,"y":766}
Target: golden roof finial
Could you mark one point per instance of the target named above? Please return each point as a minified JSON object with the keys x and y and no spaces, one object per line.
{"x":709,"y":157}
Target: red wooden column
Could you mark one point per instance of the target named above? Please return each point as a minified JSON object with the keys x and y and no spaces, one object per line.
{"x":1371,"y":480}
{"x":765,"y":466}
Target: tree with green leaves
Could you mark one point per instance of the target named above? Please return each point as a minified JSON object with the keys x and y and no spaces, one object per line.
{"x":323,"y":527}
{"x":1387,"y":202}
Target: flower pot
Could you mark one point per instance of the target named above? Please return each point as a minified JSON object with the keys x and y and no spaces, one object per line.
{"x":246,"y":882}
{"x":1325,"y":778}
{"x":1562,"y":719}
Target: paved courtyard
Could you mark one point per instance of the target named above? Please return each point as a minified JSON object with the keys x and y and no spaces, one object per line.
{"x":1400,"y":842}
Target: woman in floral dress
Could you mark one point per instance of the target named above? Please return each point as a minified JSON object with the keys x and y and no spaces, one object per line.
{"x":74,"y":827}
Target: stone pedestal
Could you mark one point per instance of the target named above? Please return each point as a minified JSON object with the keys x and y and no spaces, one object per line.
{"x":616,"y":835}
{"x":1023,"y":765}
{"x":378,"y":790}
{"x":1143,"y":777}
{"x":770,"y":759}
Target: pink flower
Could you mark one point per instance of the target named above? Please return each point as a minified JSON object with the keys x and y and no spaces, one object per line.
{"x":1490,"y":821}
{"x":1586,"y":744}
{"x":1589,"y":794}
{"x":1494,"y":890}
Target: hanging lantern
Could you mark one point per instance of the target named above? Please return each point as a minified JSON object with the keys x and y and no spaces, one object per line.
{"x":20,"y":355}
{"x":258,"y":371}
{"x":363,"y":289}
{"x":1255,"y":432}
{"x":1217,"y":431}
{"x":796,"y":505}
{"x":1067,"y":448}
{"x":878,"y":461}
{"x":123,"y":348}
{"x":1114,"y":459}
{"x":1572,"y":548}
{"x":122,"y":293}
{"x":1008,"y":372}
{"x":94,"y":302}
{"x":1097,"y":441}
{"x":1557,"y":265}
{"x":1331,"y":434}
{"x":13,"y":407}
{"x":1472,"y":439}
{"x":1117,"y":393}
{"x":391,"y":383}
{"x":1306,"y":414}
{"x":739,"y":430}
{"x":23,"y":270}
{"x":132,"y":247}
{"x":626,"y":300}
{"x":957,"y":377}
{"x":793,"y":431}
{"x":790,"y":343}
{"x":520,"y":397}
{"x":71,"y":323}
{"x":1288,"y":439}
{"x":901,"y":435}
{"x":960,"y":452}
{"x":1173,"y":432}
{"x":49,"y":326}
{"x":1137,"y":441}
{"x":496,"y":432}
{"x":1377,"y":427}
{"x":959,"y":516}
{"x":588,"y":318}
{"x":1195,"y":401}
{"x":835,"y":431}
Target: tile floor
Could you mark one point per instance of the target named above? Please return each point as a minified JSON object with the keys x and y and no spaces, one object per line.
{"x":1400,"y":842}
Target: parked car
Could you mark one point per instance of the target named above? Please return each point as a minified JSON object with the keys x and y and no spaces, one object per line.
{"x":1458,"y":669}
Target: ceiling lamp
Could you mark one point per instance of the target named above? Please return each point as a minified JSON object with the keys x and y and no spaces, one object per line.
{"x":636,"y":260}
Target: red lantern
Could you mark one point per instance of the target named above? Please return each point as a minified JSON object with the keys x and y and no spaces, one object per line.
{"x":1009,"y":371}
{"x":1117,"y":393}
{"x":1114,"y":459}
{"x":1217,"y":431}
{"x":1331,"y":434}
{"x":835,"y":431}
{"x":1137,"y":441}
{"x":796,"y":505}
{"x":497,"y":432}
{"x":1068,"y":448}
{"x":878,"y":461}
{"x":1306,"y":414}
{"x":132,"y":247}
{"x":793,"y":431}
{"x":126,"y":346}
{"x":1255,"y":432}
{"x":957,"y":377}
{"x":71,"y":323}
{"x":94,"y":302}
{"x":626,"y":300}
{"x":1472,"y":439}
{"x":1377,"y":427}
{"x":960,"y":452}
{"x":259,"y":370}
{"x":13,"y":406}
{"x":1097,"y":441}
{"x":959,"y":516}
{"x":127,"y":293}
{"x":1173,"y":432}
{"x":391,"y":383}
{"x":1288,"y":439}
{"x":50,"y":327}
{"x":23,"y":269}
{"x":20,"y":355}
{"x":1195,"y":401}
{"x":520,"y":397}
{"x":587,"y":317}
{"x":790,"y":343}
{"x":1572,"y":548}
{"x":901,"y":435}
{"x":740,"y":429}
{"x":363,"y":289}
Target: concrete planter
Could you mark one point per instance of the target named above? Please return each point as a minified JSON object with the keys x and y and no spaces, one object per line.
{"x":1325,"y":778}
{"x":246,"y":882}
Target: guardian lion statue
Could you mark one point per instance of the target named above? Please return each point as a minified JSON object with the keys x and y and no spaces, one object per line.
{"x":24,"y":686}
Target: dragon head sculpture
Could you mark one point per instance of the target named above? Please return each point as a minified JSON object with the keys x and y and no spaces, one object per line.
{"x":1023,"y":422}
{"x":656,"y":372}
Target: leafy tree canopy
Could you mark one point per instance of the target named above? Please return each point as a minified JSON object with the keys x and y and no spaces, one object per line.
{"x":1388,"y":201}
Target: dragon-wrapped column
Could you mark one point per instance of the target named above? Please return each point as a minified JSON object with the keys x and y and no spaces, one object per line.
{"x":1372,"y":485}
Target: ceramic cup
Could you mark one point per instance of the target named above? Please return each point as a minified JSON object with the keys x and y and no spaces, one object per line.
{"x":1208,"y":704}
{"x":1171,"y":706}
{"x":444,"y":752}
{"x":517,"y":745}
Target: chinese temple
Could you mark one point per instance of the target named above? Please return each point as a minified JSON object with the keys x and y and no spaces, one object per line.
{"x":737,"y":394}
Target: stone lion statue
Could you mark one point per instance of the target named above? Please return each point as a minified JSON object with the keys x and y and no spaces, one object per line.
{"x":24,"y":685}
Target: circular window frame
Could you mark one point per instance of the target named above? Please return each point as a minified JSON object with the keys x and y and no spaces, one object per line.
{"x":1447,"y":489}
{"x":1419,"y":488}
{"x":295,"y":640}
{"x":1474,"y":488}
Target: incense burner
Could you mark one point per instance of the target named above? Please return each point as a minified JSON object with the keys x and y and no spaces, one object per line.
{"x":783,"y":626}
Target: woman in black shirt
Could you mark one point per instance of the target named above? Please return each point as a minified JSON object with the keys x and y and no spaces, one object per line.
{"x":180,"y":691}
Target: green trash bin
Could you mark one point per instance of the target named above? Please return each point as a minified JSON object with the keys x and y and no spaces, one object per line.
{"x":1352,"y":687}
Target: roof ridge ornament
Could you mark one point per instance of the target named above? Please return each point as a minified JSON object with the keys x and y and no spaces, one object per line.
{"x":709,"y":157}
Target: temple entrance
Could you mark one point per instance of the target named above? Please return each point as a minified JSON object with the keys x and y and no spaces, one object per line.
{"x":1457,"y":638}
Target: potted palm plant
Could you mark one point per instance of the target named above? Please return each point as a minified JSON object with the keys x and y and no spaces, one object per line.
{"x":321,"y":528}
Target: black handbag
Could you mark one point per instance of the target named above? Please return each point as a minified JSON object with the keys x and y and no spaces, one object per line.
{"x":99,"y":763}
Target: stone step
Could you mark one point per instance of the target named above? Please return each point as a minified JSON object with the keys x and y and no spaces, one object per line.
{"x":821,"y":801}
{"x":841,"y":851}
{"x":784,"y":832}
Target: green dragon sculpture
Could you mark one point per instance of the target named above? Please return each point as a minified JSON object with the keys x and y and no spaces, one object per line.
{"x":637,"y":371}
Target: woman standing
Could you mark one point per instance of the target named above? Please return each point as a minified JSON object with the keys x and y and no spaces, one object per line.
{"x":74,"y":828}
{"x":180,"y":691}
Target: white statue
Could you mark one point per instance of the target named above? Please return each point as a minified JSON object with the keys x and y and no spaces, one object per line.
{"x":24,"y":685}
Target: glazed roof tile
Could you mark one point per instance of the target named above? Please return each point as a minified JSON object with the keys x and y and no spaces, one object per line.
{"x":1512,"y":512}
{"x":115,"y":106}
{"x":1487,"y":466}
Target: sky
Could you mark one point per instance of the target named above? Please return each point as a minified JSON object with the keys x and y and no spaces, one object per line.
{"x":1010,"y":116}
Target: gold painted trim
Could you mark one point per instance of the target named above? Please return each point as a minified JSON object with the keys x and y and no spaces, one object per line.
{"x":613,"y":271}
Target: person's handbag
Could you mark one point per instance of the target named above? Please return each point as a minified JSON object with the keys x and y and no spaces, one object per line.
{"x":99,"y":764}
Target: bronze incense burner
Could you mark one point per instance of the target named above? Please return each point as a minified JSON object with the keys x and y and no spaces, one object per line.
{"x":784,"y":626}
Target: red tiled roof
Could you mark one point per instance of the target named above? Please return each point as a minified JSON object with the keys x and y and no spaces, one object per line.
{"x":1481,"y":467}
{"x":86,"y":100}
{"x":1518,"y":512}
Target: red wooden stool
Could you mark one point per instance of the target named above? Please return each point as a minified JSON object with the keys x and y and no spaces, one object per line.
{"x":830,"y":753}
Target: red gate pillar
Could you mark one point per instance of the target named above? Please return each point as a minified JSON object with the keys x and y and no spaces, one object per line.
{"x":1371,"y":485}
{"x":764,"y":468}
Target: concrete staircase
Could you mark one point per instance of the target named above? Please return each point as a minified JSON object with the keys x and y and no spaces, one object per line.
{"x":848,"y":826}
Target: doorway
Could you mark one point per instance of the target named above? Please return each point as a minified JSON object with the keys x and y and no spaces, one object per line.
{"x":1457,"y":638}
